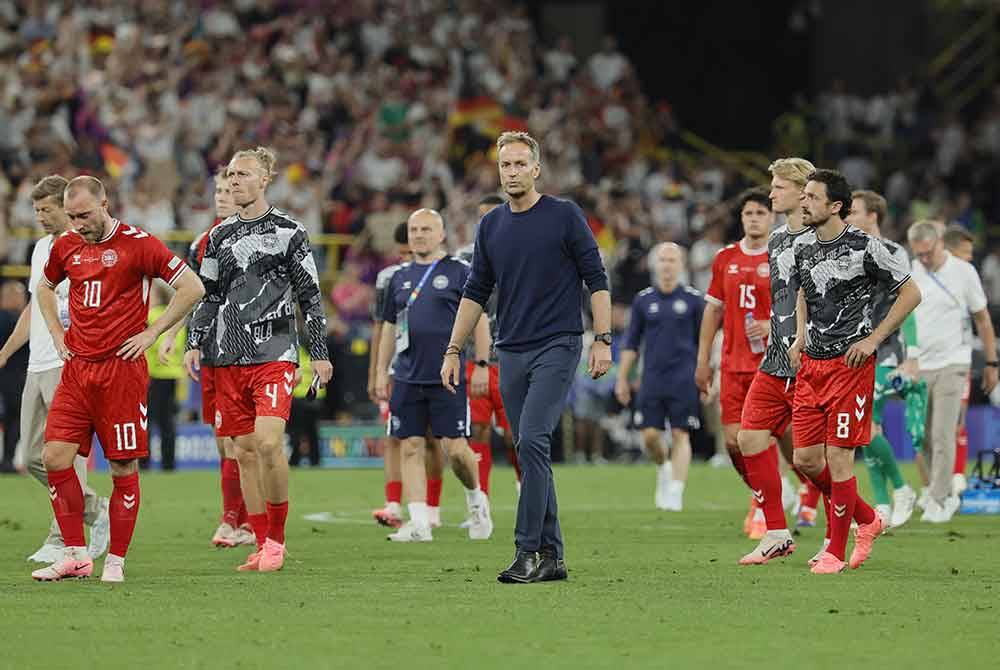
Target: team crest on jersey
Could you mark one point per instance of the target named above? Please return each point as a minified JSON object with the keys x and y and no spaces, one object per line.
{"x":680,"y":307}
{"x":763,"y":270}
{"x":395,"y":422}
{"x":109,"y":258}
{"x":733,"y":268}
{"x":654,"y":308}
{"x":270,"y":241}
{"x":440,"y":282}
{"x":406,"y":285}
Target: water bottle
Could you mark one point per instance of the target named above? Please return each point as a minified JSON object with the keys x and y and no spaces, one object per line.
{"x":756,"y":343}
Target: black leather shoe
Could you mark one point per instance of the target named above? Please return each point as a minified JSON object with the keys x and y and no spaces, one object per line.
{"x":550,"y":568}
{"x":521,"y":570}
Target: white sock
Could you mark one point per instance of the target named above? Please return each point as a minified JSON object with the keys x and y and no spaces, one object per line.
{"x":394,"y":508}
{"x":676,"y":487}
{"x":111,"y":559}
{"x":418,"y":513}
{"x":473,"y":497}
{"x":663,"y":470}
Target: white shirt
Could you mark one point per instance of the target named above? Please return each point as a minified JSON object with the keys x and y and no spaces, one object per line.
{"x":42,"y":353}
{"x":948,"y":297}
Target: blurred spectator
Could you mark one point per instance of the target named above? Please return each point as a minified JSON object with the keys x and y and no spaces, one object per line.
{"x":13,"y":300}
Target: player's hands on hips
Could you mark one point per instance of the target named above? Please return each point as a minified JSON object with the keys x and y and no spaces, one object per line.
{"x":59,"y":340}
{"x":192,"y":363}
{"x":450,"y":373}
{"x":795,"y":356}
{"x":323,"y":370}
{"x":703,"y":377}
{"x":166,"y":350}
{"x":479,"y":385}
{"x":623,"y":392}
{"x":600,"y":360}
{"x":860,"y":352}
{"x":136,"y":345}
{"x":382,"y":387}
{"x":989,"y":379}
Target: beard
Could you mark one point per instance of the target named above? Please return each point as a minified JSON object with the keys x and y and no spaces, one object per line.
{"x":515,"y":191}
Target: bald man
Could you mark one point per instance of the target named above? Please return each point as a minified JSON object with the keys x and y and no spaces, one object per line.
{"x":665,"y":321}
{"x":418,"y":313}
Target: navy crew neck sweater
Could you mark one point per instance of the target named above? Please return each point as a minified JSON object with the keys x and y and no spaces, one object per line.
{"x":538,"y":261}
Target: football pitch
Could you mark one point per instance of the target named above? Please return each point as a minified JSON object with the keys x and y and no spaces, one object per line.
{"x":647,"y":589}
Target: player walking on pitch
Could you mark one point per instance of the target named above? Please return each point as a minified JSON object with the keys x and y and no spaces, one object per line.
{"x":104,"y":383}
{"x":257,"y":266}
{"x":841,"y":271}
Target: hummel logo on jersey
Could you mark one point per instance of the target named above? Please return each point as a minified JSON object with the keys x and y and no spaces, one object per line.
{"x":135,"y":232}
{"x":143,"y":419}
{"x":128,"y":500}
{"x":758,"y":495}
{"x":289,"y":376}
{"x":76,"y":259}
{"x":859,"y":413}
{"x":52,"y":492}
{"x":733,"y":268}
{"x":840,"y":510}
{"x":288,"y":389}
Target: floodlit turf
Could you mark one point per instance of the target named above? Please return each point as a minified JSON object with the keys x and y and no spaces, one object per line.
{"x":647,"y":589}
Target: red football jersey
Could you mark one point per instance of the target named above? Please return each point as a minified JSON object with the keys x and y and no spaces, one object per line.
{"x":741,"y":284}
{"x":109,"y":285}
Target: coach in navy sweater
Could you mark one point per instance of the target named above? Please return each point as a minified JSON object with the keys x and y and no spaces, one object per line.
{"x":536,"y":251}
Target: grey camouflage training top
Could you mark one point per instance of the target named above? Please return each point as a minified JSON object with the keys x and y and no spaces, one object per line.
{"x":891,"y":352}
{"x":842,"y":278}
{"x":254,"y":272}
{"x":784,"y":296}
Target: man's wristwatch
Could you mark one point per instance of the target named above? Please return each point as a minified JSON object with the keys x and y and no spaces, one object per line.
{"x":482,"y":364}
{"x":603,"y":337}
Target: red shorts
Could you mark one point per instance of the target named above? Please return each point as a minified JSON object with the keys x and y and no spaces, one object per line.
{"x":768,"y":404}
{"x":833,"y":403}
{"x":733,"y":389}
{"x":108,"y":397}
{"x":485,"y":409}
{"x":244,"y":392}
{"x":208,"y":411}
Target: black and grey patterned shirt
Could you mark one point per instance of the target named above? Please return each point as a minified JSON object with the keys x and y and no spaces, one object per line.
{"x":841,"y":279}
{"x":382,"y":280}
{"x":784,"y":296}
{"x":254,"y":272}
{"x":891,"y":352}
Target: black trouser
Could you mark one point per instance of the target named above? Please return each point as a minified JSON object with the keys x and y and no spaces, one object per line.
{"x":163,"y":415}
{"x":11,"y":398}
{"x":302,"y":431}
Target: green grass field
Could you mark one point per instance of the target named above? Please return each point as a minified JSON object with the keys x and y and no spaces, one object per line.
{"x":646,"y":590}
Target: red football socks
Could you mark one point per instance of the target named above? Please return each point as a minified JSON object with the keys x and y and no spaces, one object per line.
{"x":276,"y":515}
{"x":485,"y":457}
{"x":232,"y":494}
{"x":961,"y":451}
{"x":811,"y":496}
{"x":123,"y":511}
{"x":762,"y":471}
{"x":394,"y":491}
{"x":67,"y":504}
{"x":259,"y":524}
{"x":826,"y":508}
{"x":843,"y":497}
{"x":434,"y":492}
{"x":739,"y":464}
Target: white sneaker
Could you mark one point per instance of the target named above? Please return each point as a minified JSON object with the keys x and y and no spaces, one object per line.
{"x":224,"y":536}
{"x":719,"y":461}
{"x":662,"y":482}
{"x":466,"y":523}
{"x":100,"y":532}
{"x":950,"y":506}
{"x":411,"y":532}
{"x":244,"y":536}
{"x":73,"y":563}
{"x":789,"y":495}
{"x":925,"y":496}
{"x":481,"y":527}
{"x":114,"y":569}
{"x":674,"y":498}
{"x":434,"y":516}
{"x":903,"y":501}
{"x":822,"y":550}
{"x":958,"y":484}
{"x":884,"y":513}
{"x":934,"y":512}
{"x":47,"y":553}
{"x":774,"y":544}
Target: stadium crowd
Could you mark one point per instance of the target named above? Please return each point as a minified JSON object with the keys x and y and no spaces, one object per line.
{"x":371,"y":119}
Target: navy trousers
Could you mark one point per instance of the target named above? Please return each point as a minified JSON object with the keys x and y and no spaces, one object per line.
{"x":534,"y":385}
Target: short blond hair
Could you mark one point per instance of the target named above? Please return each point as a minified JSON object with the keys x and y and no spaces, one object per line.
{"x":795,"y":170}
{"x":520,"y":137}
{"x":266,"y":157}
{"x":52,"y":186}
